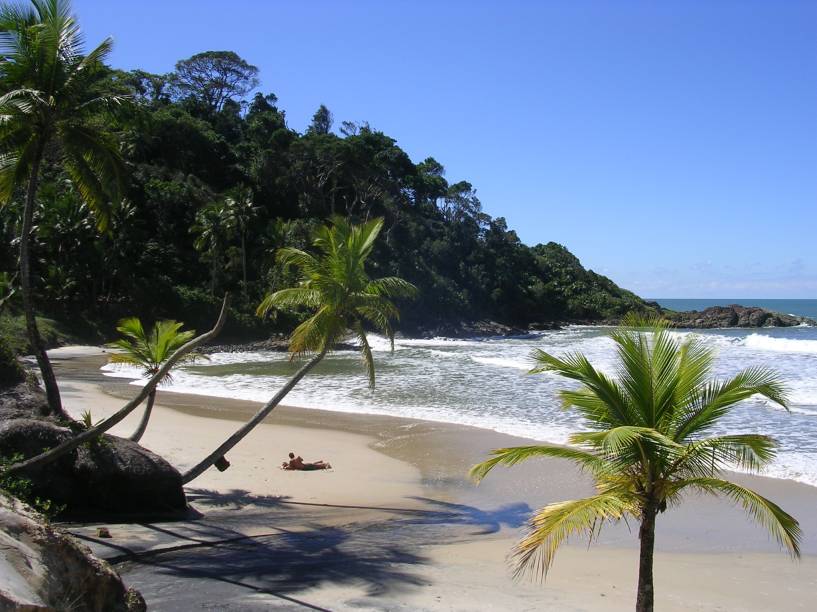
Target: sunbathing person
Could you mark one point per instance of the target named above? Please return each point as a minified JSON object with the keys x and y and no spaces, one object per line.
{"x":297,"y":463}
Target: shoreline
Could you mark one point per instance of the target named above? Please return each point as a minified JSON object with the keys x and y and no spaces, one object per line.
{"x":400,"y":484}
{"x":523,"y":433}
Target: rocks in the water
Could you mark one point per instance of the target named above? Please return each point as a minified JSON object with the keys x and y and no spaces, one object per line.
{"x":41,"y":568}
{"x":734,"y":316}
{"x":468,"y":329}
{"x":111,"y":476}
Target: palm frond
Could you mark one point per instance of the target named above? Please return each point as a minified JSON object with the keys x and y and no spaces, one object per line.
{"x":716,"y":399}
{"x":555,"y":523}
{"x":512,"y":456}
{"x":782,"y":526}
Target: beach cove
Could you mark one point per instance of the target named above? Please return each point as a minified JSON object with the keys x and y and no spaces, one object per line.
{"x":397,"y":525}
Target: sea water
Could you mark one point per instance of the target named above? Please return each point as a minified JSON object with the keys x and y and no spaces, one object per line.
{"x":485,"y":383}
{"x":803,"y":308}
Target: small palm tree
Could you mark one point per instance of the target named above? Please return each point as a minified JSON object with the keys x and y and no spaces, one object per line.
{"x":649,"y":443}
{"x":334,"y":284}
{"x":150,"y":351}
{"x":52,"y":97}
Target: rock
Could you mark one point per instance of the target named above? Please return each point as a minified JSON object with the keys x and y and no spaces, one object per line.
{"x":734,"y":316}
{"x":41,"y":568}
{"x":111,"y":476}
{"x":468,"y":329}
{"x":278,"y":344}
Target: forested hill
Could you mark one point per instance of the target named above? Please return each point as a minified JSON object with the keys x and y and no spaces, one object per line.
{"x":217,"y":181}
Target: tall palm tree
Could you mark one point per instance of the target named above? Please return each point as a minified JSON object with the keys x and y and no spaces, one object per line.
{"x":213,"y":227}
{"x":333,"y":283}
{"x":650,"y":441}
{"x":242,"y":211}
{"x":50,"y":102}
{"x":150,"y":351}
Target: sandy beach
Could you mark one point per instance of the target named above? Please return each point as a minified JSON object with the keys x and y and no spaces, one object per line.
{"x":396,"y":525}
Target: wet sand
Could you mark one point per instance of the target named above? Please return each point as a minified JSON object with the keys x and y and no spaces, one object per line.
{"x":396,"y":525}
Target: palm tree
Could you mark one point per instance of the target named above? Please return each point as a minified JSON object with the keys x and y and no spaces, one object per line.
{"x":241,"y":211}
{"x":89,"y":435}
{"x":650,"y":441}
{"x":150,"y":352}
{"x":213,"y":226}
{"x":51,"y":100}
{"x":333,"y":283}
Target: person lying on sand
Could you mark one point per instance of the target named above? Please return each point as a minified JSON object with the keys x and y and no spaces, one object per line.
{"x":297,"y":463}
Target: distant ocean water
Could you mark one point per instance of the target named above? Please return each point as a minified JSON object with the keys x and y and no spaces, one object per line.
{"x":803,"y":308}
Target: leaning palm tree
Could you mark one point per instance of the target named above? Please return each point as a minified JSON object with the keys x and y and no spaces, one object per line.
{"x":650,"y":441}
{"x":150,"y":351}
{"x":334,"y":284}
{"x":52,"y":96}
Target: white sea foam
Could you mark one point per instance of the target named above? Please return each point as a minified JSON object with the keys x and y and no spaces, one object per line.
{"x":502,"y":362}
{"x":482,"y":383}
{"x":761,"y":342}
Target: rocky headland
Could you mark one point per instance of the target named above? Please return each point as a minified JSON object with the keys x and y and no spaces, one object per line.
{"x":734,"y":315}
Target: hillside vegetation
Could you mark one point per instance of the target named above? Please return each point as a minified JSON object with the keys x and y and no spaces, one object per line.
{"x":217,"y":181}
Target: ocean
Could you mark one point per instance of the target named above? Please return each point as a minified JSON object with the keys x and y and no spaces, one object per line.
{"x":803,"y":308}
{"x":484,"y":383}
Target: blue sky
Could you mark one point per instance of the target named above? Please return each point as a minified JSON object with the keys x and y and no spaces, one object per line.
{"x":670,"y":145}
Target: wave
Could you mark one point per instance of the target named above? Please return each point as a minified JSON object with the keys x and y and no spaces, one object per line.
{"x":503,"y":362}
{"x":761,"y":342}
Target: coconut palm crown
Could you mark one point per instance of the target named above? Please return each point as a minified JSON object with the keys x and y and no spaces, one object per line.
{"x":334,"y":282}
{"x":52,"y":94}
{"x":650,"y":441}
{"x":150,"y":351}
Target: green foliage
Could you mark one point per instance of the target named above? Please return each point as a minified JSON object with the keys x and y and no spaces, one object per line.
{"x":334,"y":286}
{"x":23,"y":489}
{"x":52,"y":92}
{"x":11,"y":372}
{"x":213,"y":190}
{"x":87,"y":419}
{"x":649,"y":439}
{"x":150,"y":350}
{"x":13,"y":331}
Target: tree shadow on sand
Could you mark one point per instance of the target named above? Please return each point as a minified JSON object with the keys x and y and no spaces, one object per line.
{"x":216,"y":559}
{"x":434,"y":512}
{"x":274,"y":564}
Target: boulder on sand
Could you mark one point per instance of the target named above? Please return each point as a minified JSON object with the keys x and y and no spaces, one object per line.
{"x":109,"y":477}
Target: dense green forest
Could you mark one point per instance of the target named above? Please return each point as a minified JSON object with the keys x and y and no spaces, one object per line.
{"x":216,"y":182}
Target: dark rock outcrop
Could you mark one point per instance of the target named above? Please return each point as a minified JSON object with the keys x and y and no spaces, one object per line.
{"x":110,"y":477}
{"x":468,"y":329}
{"x":734,"y":316}
{"x":41,"y":568}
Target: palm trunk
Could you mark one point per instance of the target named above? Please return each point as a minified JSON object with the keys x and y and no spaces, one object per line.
{"x":143,"y":424}
{"x":95,"y":432}
{"x":242,"y":432}
{"x":47,"y":372}
{"x":244,"y":260}
{"x":646,"y":533}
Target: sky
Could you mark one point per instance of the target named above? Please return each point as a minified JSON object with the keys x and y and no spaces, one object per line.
{"x":671,"y":146}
